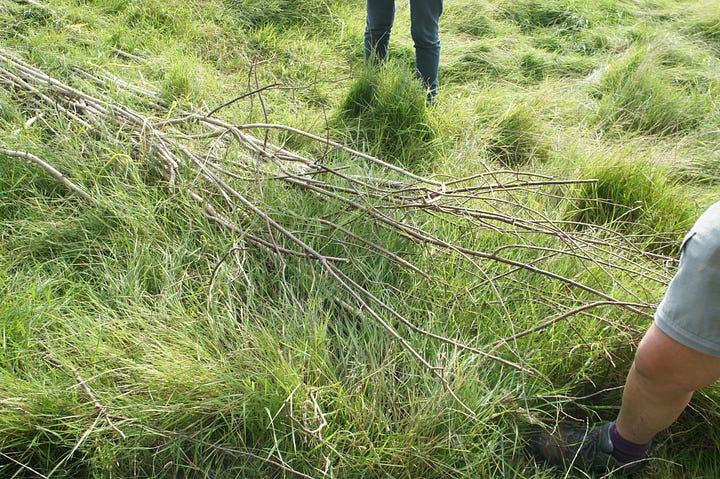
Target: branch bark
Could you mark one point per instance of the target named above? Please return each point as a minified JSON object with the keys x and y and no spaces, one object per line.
{"x":50,"y":169}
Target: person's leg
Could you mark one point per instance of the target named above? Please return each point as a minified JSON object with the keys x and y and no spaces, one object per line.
{"x":679,"y":354}
{"x":660,"y":383}
{"x":379,"y":22}
{"x":658,"y":387}
{"x":425,"y":30}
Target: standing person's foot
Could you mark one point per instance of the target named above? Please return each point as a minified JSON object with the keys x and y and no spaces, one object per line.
{"x":588,"y":448}
{"x":431,"y":99}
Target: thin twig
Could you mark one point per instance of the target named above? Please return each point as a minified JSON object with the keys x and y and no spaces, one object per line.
{"x":563,"y":316}
{"x":50,"y":169}
{"x":229,"y":450}
{"x":244,"y":95}
{"x":34,"y":3}
{"x":101,"y":409}
{"x":27,"y":468}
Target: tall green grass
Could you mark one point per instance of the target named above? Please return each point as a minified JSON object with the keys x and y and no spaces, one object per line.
{"x":637,"y":197}
{"x":307,"y":13}
{"x":704,"y":22}
{"x":638,"y":95}
{"x":516,"y":136}
{"x":385,"y":113}
{"x":209,"y":356}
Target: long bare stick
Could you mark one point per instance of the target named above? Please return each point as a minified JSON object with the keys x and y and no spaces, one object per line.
{"x":50,"y":169}
{"x":23,"y":466}
{"x":561,"y":317}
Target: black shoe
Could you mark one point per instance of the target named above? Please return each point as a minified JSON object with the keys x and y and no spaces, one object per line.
{"x":588,"y":448}
{"x":431,"y":100}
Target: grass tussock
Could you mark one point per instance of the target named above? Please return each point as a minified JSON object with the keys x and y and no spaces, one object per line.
{"x":637,"y":197}
{"x":183,"y":81}
{"x":516,"y":137}
{"x":470,"y":18}
{"x":532,"y":14}
{"x":637,"y":95}
{"x":704,"y":22}
{"x":284,"y":13}
{"x":385,"y":113}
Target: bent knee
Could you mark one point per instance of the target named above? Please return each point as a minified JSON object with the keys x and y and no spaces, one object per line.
{"x":663,"y":361}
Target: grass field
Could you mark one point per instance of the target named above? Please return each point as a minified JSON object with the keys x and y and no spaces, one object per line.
{"x":230,"y":249}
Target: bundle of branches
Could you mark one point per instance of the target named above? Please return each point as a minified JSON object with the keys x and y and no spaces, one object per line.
{"x":226,"y":168}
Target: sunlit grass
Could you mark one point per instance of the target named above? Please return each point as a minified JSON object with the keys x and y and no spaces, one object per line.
{"x":386,"y":109}
{"x":204,"y":355}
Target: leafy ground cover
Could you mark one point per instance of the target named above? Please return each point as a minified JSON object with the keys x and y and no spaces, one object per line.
{"x":230,"y":249}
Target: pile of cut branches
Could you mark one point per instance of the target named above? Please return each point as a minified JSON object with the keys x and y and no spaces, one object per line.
{"x":225,"y":168}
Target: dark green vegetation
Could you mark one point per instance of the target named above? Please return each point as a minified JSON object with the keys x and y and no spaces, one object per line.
{"x":220,"y":308}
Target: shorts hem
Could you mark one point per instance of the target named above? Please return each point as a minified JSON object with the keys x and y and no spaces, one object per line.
{"x":687,"y":338}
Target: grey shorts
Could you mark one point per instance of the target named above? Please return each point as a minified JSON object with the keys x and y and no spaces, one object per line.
{"x":690,"y":311}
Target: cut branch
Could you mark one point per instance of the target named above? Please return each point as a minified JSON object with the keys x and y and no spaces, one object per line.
{"x":50,"y":169}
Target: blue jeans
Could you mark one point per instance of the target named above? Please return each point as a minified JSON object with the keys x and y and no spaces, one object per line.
{"x":425,"y":31}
